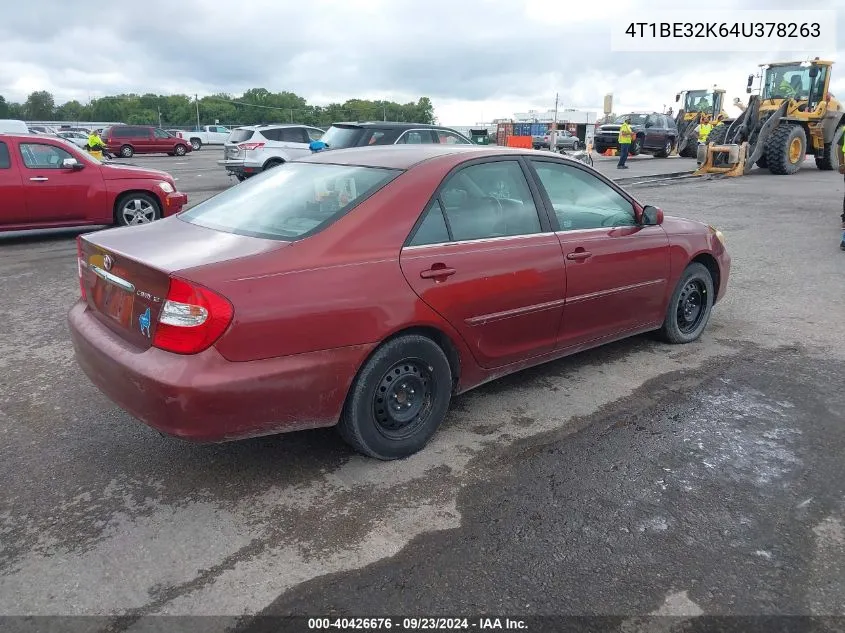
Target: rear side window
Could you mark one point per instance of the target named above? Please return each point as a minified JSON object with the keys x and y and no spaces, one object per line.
{"x":293,"y":135}
{"x":240,"y":135}
{"x":5,"y":159}
{"x":291,"y":201}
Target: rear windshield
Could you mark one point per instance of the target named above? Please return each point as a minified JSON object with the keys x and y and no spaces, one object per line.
{"x":240,"y":135}
{"x":340,"y":137}
{"x":291,"y":201}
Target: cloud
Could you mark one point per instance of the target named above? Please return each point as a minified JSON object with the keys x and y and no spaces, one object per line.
{"x":469,"y":56}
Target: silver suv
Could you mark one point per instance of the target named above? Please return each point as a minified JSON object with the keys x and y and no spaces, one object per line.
{"x":251,"y":149}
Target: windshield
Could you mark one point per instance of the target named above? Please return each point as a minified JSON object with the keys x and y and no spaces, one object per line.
{"x":289,"y":201}
{"x":699,"y":101}
{"x":339,"y":137}
{"x":636,"y":119}
{"x":781,"y":82}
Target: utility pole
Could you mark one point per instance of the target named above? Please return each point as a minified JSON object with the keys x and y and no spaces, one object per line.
{"x":291,"y":115}
{"x":553,"y":141}
{"x":384,"y":110}
{"x":159,"y":116}
{"x":197,"y":97}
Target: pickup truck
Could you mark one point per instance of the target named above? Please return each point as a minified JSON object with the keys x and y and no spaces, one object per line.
{"x":207,"y":135}
{"x":47,"y":182}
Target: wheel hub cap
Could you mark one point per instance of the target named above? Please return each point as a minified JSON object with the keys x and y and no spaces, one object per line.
{"x":795,"y":150}
{"x":403,"y":397}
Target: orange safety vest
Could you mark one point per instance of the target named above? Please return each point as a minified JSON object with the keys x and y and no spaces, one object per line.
{"x":625,"y":134}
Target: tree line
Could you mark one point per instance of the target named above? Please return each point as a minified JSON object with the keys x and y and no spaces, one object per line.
{"x":254,"y":106}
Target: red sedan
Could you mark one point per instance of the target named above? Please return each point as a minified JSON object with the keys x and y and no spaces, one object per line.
{"x":364,"y":288}
{"x":47,"y":182}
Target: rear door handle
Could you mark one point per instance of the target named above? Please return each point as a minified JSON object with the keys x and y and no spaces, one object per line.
{"x":579,"y":255}
{"x":39,"y":179}
{"x":436,"y":271}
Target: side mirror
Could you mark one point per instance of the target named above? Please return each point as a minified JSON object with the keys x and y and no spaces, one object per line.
{"x":814,"y":71}
{"x":677,"y":97}
{"x":652,"y":216}
{"x":72,"y":164}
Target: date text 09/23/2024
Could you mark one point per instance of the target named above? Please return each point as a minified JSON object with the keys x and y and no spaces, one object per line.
{"x":416,"y":624}
{"x":724,"y":29}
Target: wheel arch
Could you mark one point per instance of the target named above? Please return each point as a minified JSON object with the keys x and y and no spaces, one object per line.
{"x":274,"y":159}
{"x":709,"y":262}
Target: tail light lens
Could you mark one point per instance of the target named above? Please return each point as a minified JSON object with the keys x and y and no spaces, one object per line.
{"x":191,"y":319}
{"x":250,"y":146}
{"x":80,"y":264}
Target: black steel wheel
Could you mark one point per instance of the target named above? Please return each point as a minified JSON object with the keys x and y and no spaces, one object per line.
{"x":402,"y":402}
{"x":398,"y":399}
{"x":690,"y":305}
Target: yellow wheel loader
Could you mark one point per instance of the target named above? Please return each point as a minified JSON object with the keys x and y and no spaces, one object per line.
{"x":792,"y":116}
{"x":696,"y":103}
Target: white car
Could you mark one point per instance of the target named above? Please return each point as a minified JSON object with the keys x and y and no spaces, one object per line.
{"x":77,"y":138}
{"x":252,"y":149}
{"x":206,"y":135}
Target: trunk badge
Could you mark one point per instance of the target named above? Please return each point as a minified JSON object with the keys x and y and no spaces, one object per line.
{"x":108,"y":262}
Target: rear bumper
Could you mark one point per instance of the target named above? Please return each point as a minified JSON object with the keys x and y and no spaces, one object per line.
{"x":239,"y":167}
{"x":206,"y":398}
{"x":174,"y":202}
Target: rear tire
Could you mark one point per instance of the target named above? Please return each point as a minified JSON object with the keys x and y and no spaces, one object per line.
{"x":690,"y":306}
{"x":126,"y":151}
{"x":398,"y":399}
{"x":196,"y":144}
{"x":133,"y":209}
{"x":273,"y":162}
{"x":667,"y":149}
{"x":786,"y":149}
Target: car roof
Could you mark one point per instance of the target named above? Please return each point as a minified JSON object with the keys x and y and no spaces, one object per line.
{"x":390,"y":125}
{"x":267,"y":126}
{"x":406,"y":156}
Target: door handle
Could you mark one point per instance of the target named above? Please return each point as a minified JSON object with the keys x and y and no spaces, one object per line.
{"x":39,"y":179}
{"x":437,"y":271}
{"x":579,"y":255}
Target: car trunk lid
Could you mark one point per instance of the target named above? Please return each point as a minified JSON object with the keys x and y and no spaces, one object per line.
{"x":126,"y":272}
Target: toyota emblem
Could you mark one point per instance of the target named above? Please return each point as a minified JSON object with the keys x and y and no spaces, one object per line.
{"x":108,"y":262}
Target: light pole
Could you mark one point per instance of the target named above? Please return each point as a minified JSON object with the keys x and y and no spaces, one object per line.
{"x":197,"y":97}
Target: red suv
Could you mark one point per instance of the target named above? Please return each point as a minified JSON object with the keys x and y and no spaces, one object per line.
{"x":127,"y":140}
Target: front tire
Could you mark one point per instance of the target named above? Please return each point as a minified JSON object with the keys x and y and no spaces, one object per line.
{"x":636,"y":146}
{"x":690,"y":306}
{"x":786,"y":149}
{"x":398,"y":400}
{"x":137,"y":208}
{"x":180,"y":150}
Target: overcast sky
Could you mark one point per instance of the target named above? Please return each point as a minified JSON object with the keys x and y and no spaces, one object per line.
{"x":473,"y":58}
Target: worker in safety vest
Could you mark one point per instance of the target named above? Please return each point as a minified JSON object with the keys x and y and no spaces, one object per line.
{"x":626,"y":135}
{"x":704,"y":129}
{"x":840,"y":147}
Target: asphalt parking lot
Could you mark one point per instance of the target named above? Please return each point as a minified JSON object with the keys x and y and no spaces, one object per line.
{"x":635,"y":479}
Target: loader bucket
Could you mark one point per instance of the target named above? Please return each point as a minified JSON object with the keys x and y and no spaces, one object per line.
{"x":733,"y":161}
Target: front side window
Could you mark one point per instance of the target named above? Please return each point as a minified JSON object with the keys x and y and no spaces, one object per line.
{"x":450,"y":138}
{"x":162,"y":134}
{"x":489,"y":200}
{"x":581,"y":200}
{"x":290,"y":201}
{"x":783,"y":82}
{"x":41,"y":156}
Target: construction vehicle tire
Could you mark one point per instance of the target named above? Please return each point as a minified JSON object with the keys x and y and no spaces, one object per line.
{"x":829,"y":160}
{"x":786,"y":149}
{"x":717,"y":135}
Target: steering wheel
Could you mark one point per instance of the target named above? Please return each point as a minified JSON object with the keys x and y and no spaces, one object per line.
{"x":500,"y":210}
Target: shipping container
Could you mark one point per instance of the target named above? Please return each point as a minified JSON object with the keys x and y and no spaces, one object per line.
{"x":539,"y":129}
{"x":502,"y":138}
{"x":506,"y":128}
{"x":522,"y":129}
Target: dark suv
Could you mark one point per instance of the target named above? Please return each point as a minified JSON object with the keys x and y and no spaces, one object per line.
{"x":127,"y":140}
{"x":341,"y":135}
{"x":655,"y":134}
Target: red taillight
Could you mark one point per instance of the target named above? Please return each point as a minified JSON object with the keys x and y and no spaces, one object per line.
{"x":250,"y":146}
{"x":191,"y":319}
{"x":80,"y":264}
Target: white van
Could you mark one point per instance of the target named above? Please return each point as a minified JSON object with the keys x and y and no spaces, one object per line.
{"x":13,"y":126}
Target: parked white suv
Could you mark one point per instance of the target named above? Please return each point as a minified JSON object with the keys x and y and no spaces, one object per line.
{"x":251,"y":149}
